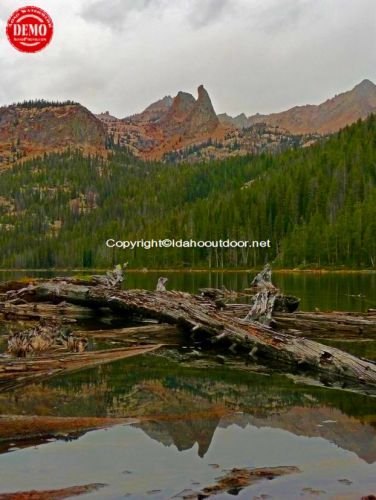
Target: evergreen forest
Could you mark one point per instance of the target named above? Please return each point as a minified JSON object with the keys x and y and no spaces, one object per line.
{"x":316,"y":205}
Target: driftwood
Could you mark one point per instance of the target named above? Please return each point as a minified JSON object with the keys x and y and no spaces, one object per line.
{"x":14,"y":372}
{"x":282,"y":303}
{"x":263,"y":280}
{"x":200,"y":318}
{"x":264,"y":302}
{"x":129,"y":332}
{"x":237,"y":479}
{"x":24,"y":310}
{"x":316,"y":324}
{"x":161,"y":285}
{"x":6,"y":286}
{"x":52,"y":494}
{"x":268,"y":300}
{"x":112,"y":279}
{"x":262,"y":307}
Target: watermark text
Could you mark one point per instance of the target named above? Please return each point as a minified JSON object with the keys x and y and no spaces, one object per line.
{"x":180,"y":243}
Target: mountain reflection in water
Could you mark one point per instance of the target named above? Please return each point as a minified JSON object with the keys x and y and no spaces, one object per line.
{"x":184,"y":406}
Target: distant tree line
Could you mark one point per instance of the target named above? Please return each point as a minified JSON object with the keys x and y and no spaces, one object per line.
{"x":41,"y":103}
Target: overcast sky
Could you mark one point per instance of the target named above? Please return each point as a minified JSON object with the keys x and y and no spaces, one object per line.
{"x":251,"y":55}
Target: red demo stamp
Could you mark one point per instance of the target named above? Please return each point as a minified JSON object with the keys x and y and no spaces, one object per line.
{"x":30,"y":29}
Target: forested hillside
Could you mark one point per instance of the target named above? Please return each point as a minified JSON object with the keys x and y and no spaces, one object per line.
{"x":317,"y":206}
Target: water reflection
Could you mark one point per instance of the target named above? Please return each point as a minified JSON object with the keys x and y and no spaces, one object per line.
{"x":185,"y":406}
{"x":139,"y":464}
{"x":197,"y":418}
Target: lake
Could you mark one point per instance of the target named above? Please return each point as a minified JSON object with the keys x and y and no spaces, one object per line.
{"x":352,"y":291}
{"x":197,"y":418}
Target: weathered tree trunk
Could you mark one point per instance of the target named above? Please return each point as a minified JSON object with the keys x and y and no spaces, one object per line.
{"x":155,"y":331}
{"x":112,"y":278}
{"x":334,"y":324}
{"x":201,"y":318}
{"x":24,"y":310}
{"x":262,"y":307}
{"x":263,"y":280}
{"x":282,"y":303}
{"x":161,"y":285}
{"x":317,"y":324}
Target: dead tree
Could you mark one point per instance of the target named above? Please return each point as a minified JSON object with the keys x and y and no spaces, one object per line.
{"x":263,"y":302}
{"x":161,"y":285}
{"x":200,"y":317}
{"x":112,"y":279}
{"x":263,"y":279}
{"x":262,"y":307}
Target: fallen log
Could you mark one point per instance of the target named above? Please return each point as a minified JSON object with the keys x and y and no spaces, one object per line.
{"x":282,"y":303}
{"x":200,"y":318}
{"x":15,"y":372}
{"x":317,"y":324}
{"x":334,"y":324}
{"x":14,"y":285}
{"x":330,"y":324}
{"x":129,"y":332}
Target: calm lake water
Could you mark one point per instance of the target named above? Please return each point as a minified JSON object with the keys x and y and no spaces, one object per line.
{"x":325,"y":291}
{"x":198,"y":418}
{"x":201,"y":419}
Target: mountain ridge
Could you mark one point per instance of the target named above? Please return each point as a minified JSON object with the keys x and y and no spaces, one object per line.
{"x":324,"y":118}
{"x":36,"y":127}
{"x":189,"y":129}
{"x":174,"y":129}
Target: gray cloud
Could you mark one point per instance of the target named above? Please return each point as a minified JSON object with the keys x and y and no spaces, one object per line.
{"x":114,"y":13}
{"x":274,"y":19}
{"x":252,"y":55}
{"x":205,"y":12}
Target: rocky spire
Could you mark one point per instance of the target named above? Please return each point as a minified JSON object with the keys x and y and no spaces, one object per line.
{"x":202,"y":118}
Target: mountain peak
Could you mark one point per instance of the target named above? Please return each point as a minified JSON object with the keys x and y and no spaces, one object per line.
{"x":366,"y":84}
{"x":365,"y":87}
{"x":202,"y":92}
{"x":181,"y":106}
{"x":203,"y":118}
{"x":184,"y":99}
{"x":203,"y":96}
